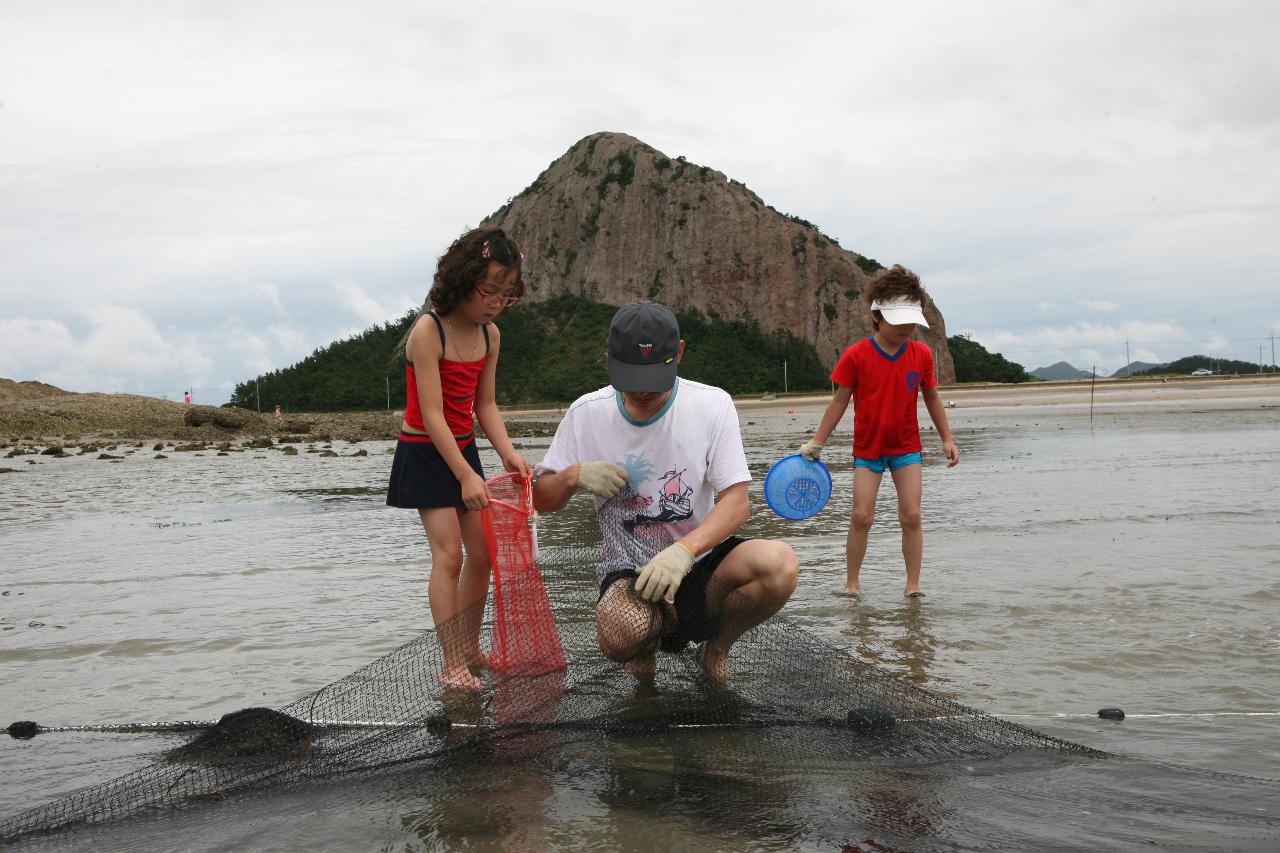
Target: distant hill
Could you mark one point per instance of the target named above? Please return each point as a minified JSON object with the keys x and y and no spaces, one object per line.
{"x":1135,"y":368}
{"x":1060,"y":370}
{"x":28,"y":390}
{"x":608,"y":222}
{"x":975,"y":364}
{"x":1184,"y":366}
{"x":614,"y":219}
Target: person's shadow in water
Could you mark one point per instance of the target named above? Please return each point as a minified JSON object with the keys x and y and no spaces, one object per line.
{"x":896,"y":639}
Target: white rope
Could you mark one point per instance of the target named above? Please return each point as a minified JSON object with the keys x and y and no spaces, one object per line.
{"x":186,"y":725}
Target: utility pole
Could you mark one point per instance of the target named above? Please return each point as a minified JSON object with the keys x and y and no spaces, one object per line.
{"x":388,"y":378}
{"x":1273,"y":352}
{"x":1128,"y":371}
{"x":257,"y":392}
{"x":784,"y":376}
{"x":1092,"y":382}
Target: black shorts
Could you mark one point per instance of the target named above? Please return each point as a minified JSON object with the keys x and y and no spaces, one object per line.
{"x":693,"y":625}
{"x":421,"y":479}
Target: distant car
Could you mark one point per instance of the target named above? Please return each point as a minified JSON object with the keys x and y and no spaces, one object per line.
{"x":1202,"y":371}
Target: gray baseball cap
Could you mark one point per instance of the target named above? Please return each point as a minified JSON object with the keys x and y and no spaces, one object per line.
{"x":644,"y":346}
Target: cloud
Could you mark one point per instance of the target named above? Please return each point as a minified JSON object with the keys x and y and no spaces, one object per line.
{"x":1085,"y":343}
{"x":252,"y":182}
{"x":364,"y":308}
{"x":31,"y":348}
{"x":266,"y":292}
{"x":121,"y":349}
{"x":1101,"y":306}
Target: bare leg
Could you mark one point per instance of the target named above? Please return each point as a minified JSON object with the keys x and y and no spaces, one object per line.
{"x":444,"y":535}
{"x":866,"y":485}
{"x":751,"y":584}
{"x":908,"y":482}
{"x":473,"y":583}
{"x":627,"y":628}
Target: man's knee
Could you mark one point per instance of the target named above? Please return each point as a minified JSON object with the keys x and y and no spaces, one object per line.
{"x":909,"y":517}
{"x":622,"y":642}
{"x":784,"y":571}
{"x":626,"y":627}
{"x":769,"y":562}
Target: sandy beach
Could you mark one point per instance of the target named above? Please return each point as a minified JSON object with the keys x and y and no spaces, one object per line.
{"x":35,"y":416}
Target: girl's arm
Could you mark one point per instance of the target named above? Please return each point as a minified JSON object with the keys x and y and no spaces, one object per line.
{"x":423,"y":349}
{"x":830,"y":418}
{"x":938,"y":413}
{"x":488,"y":415}
{"x":835,"y":411}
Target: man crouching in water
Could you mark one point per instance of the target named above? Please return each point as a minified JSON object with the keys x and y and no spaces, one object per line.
{"x":675,"y":445}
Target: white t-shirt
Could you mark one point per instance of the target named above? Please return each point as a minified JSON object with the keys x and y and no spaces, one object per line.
{"x":676,"y":461}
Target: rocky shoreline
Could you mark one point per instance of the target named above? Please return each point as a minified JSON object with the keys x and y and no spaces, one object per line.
{"x":40,"y":419}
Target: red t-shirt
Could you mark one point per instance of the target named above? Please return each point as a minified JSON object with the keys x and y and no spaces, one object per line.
{"x":885,"y":388}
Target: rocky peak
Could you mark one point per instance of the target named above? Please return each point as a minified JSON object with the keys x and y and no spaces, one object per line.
{"x":614,"y":219}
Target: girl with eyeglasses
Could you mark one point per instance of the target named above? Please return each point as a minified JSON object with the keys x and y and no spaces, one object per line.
{"x":451,"y":358}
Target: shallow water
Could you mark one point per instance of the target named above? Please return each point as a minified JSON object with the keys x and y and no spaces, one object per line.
{"x":1069,"y":566}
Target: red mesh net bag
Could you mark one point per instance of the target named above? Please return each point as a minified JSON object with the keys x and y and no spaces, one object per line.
{"x":525,"y":638}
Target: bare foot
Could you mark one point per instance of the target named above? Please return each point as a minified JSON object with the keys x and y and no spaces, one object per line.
{"x":642,"y":667}
{"x":477,"y":660}
{"x":715,"y":664}
{"x":460,"y":678}
{"x":913,"y":593}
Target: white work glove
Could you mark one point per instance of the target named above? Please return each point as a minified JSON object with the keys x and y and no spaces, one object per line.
{"x":602,"y":479}
{"x":661,"y":576}
{"x":812,"y":449}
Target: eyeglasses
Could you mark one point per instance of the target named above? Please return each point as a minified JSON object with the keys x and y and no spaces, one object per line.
{"x":495,"y":298}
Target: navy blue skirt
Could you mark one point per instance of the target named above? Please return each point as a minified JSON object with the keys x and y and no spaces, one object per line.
{"x":421,"y":479}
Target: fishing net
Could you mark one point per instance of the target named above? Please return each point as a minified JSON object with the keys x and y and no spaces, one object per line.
{"x":797,"y":744}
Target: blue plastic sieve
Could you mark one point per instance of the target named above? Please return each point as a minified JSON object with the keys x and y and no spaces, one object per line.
{"x":797,"y":488}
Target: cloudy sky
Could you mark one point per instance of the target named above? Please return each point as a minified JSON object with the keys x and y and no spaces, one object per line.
{"x":193,"y":192}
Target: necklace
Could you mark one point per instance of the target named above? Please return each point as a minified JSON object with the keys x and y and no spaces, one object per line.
{"x":475,"y":348}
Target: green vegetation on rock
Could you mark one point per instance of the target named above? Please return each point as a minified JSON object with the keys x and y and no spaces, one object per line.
{"x":1184,"y":366}
{"x":974,"y":364}
{"x":552,"y":352}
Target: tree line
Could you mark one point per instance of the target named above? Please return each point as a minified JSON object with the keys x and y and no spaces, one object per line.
{"x":554,"y":351}
{"x":1197,"y":362}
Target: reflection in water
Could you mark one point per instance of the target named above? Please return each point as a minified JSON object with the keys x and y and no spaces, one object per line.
{"x":910,"y":647}
{"x":1066,"y":565}
{"x":504,"y":810}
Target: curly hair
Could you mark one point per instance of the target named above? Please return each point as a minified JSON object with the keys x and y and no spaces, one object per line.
{"x":466,"y":263}
{"x":461,"y":266}
{"x":896,"y":283}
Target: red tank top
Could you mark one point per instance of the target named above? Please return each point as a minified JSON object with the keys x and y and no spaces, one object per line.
{"x":458,"y":381}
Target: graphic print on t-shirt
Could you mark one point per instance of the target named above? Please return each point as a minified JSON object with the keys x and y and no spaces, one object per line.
{"x":674,"y":503}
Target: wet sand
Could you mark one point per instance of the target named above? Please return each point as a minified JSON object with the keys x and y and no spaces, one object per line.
{"x":1074,"y":392}
{"x":35,"y":415}
{"x":1070,"y":564}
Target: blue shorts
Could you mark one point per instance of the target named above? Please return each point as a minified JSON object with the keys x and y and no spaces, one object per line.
{"x":893,"y":463}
